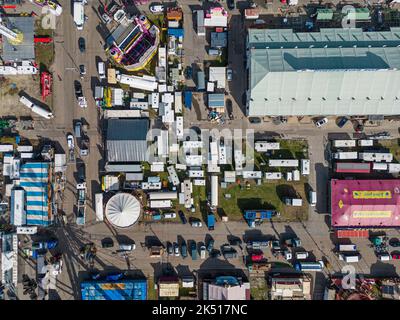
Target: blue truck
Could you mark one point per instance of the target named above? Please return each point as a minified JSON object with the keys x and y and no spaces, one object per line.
{"x":210,"y":221}
{"x":309,"y":266}
{"x":188,"y":99}
{"x":257,"y":216}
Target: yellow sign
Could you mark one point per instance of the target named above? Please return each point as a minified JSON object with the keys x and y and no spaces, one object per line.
{"x":372,"y":214}
{"x":112,"y":286}
{"x":379,"y":194}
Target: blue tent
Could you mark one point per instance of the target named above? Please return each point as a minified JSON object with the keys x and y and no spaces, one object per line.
{"x":175,"y":32}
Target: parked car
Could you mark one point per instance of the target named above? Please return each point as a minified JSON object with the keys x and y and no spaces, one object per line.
{"x":176,"y":249}
{"x":157,"y":8}
{"x":202,"y":252}
{"x":170,"y":249}
{"x":342,"y":121}
{"x":107,"y":243}
{"x":215,"y":253}
{"x":321,"y":122}
{"x":196,"y":224}
{"x":395,"y":255}
{"x":82,"y":69}
{"x":255,"y":120}
{"x":394,"y":242}
{"x":231,"y":4}
{"x":228,"y":252}
{"x":188,"y":72}
{"x":78,"y":89}
{"x":184,"y":250}
{"x":81,"y":171}
{"x":70,"y":141}
{"x":182,"y":216}
{"x":229,"y":74}
{"x":234,"y":241}
{"x":82,"y":44}
{"x":170,"y":215}
{"x":127,"y":246}
{"x":210,"y":246}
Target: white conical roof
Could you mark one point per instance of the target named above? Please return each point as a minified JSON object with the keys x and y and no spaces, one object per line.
{"x":123,"y":210}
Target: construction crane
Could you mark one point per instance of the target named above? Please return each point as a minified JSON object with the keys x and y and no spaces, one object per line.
{"x":14,"y":36}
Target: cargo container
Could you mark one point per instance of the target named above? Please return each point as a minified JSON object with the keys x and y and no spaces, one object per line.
{"x":309,"y":266}
{"x":345,"y":155}
{"x":365,"y":143}
{"x":377,"y":166}
{"x":349,"y":258}
{"x":301,"y":255}
{"x":305,"y":167}
{"x":347,"y":247}
{"x":353,"y":167}
{"x":376,"y":156}
{"x":352,"y":233}
{"x":344,"y":143}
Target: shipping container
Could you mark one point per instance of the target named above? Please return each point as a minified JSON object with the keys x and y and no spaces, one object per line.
{"x":309,"y":266}
{"x":376,"y":156}
{"x":379,"y":166}
{"x":352,"y":233}
{"x":344,"y":143}
{"x":349,"y":258}
{"x":345,"y":155}
{"x":305,"y":167}
{"x":353,"y":167}
{"x":99,"y":207}
{"x":163,"y":195}
{"x":365,"y":143}
{"x":301,"y":255}
{"x":347,"y":247}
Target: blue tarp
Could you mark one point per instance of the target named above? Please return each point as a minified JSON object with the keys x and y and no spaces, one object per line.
{"x":114,"y":290}
{"x":188,"y":99}
{"x":176,"y":32}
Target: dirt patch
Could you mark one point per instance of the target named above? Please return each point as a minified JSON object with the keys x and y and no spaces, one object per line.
{"x":9,"y":98}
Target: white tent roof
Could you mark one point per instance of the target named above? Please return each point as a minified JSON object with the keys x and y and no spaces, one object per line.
{"x":123,"y":210}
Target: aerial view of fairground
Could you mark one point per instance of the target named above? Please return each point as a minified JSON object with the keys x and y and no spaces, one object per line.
{"x":199,"y":150}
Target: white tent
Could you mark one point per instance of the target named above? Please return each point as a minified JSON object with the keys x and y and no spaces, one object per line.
{"x":123,"y":210}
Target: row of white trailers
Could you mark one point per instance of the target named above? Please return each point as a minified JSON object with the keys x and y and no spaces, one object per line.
{"x":369,"y":156}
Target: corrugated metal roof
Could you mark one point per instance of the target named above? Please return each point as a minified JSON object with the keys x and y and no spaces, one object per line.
{"x":329,"y":80}
{"x":216,"y":100}
{"x":126,"y":140}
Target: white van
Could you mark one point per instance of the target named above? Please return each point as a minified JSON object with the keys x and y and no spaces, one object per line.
{"x":313,"y":198}
{"x":127,"y":247}
{"x":101,"y":69}
{"x":349,"y":258}
{"x":301,"y":255}
{"x":384,"y":257}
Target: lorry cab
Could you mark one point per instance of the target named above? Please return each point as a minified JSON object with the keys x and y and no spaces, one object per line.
{"x":313,"y":198}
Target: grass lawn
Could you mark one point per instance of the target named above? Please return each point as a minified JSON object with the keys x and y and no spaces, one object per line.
{"x":265,"y":196}
{"x":44,"y":53}
{"x":394,"y":147}
{"x":151,"y":292}
{"x":269,"y":195}
{"x":258,"y":289}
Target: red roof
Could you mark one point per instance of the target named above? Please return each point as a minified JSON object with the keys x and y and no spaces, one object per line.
{"x":365,"y":203}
